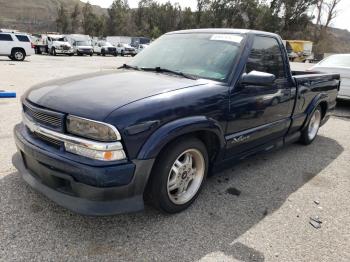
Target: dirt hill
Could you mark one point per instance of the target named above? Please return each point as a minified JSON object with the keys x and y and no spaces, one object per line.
{"x":35,"y":15}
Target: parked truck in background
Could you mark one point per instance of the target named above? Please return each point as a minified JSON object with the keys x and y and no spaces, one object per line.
{"x":103,"y":48}
{"x":153,"y":129}
{"x":299,"y":50}
{"x":53,"y":44}
{"x":126,"y":49}
{"x":82,"y":44}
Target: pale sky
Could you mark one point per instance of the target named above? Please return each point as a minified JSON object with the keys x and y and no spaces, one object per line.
{"x":342,"y":20}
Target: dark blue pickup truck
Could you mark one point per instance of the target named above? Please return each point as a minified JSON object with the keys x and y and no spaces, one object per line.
{"x":193,"y":101}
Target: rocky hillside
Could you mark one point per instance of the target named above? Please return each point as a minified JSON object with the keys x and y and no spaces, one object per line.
{"x":34,"y":15}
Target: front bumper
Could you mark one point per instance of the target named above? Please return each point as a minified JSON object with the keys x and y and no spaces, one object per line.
{"x":127,"y":52}
{"x":64,"y":52}
{"x":62,"y":180}
{"x":85,"y":51}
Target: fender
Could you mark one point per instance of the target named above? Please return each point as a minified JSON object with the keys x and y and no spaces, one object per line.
{"x":176,"y":128}
{"x":322,"y":97}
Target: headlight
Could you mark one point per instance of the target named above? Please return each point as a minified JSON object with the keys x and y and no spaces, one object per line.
{"x":92,"y":129}
{"x":104,"y":155}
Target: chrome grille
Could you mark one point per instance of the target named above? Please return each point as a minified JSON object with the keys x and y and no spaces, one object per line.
{"x":45,"y":117}
{"x":49,"y":140}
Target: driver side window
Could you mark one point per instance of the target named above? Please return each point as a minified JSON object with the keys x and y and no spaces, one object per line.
{"x":266,"y":56}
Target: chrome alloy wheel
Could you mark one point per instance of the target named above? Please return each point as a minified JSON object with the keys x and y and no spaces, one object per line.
{"x":18,"y":55}
{"x":186,"y":176}
{"x":314,"y":124}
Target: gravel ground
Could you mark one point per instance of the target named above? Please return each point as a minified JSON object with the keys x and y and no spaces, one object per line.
{"x":258,"y":210}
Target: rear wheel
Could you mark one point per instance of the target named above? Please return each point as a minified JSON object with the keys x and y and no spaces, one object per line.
{"x":178,"y":175}
{"x":18,"y":55}
{"x":309,"y":134}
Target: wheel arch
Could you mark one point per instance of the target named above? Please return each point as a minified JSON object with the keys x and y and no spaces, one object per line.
{"x":319,"y":100}
{"x":206,"y":129}
{"x":18,"y":48}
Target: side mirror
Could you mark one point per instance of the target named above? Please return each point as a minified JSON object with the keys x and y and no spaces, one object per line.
{"x":258,"y":78}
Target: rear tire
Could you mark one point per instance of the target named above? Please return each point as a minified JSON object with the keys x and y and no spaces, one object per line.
{"x":178,"y":175}
{"x":309,"y":134}
{"x":18,"y":55}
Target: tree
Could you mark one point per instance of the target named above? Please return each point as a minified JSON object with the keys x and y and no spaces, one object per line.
{"x":327,"y":9}
{"x":75,"y":19}
{"x":118,"y":18}
{"x":293,"y":13}
{"x":90,"y":20}
{"x":187,"y":20}
{"x":62,"y":21}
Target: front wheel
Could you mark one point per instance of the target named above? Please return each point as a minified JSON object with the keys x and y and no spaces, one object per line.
{"x":309,"y":134}
{"x":178,"y":175}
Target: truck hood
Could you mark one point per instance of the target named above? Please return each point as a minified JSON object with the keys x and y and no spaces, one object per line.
{"x":96,"y":95}
{"x":59,"y":43}
{"x":84,"y":46}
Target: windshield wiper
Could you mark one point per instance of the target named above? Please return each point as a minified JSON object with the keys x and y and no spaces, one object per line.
{"x":129,"y":67}
{"x":165,"y":70}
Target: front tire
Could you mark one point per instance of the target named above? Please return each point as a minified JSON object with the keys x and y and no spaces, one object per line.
{"x":178,"y":175}
{"x":53,"y":51}
{"x":309,"y":134}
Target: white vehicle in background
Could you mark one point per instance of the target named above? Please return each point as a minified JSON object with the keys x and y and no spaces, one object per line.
{"x":141,"y":47}
{"x":82,"y":44}
{"x":58,"y":44}
{"x":340,"y":64}
{"x":126,"y":49}
{"x":15,"y":45}
{"x":53,"y":44}
{"x":104,"y":48}
{"x":115,"y":40}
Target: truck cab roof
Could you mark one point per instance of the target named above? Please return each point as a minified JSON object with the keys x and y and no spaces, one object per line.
{"x":224,"y":31}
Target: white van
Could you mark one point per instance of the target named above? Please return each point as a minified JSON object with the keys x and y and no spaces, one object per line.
{"x":15,"y":45}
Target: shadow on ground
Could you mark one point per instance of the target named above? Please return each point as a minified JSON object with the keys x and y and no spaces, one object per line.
{"x":342,"y":110}
{"x":35,"y":227}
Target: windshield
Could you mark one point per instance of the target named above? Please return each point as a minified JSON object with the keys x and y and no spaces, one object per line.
{"x":208,"y":56}
{"x":61,"y":39}
{"x":105,"y":44}
{"x":336,"y":60}
{"x":82,"y":43}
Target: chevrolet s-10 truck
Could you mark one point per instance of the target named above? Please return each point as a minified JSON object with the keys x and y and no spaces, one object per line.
{"x":193,"y":101}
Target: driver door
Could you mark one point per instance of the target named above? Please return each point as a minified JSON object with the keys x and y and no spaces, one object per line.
{"x":260,"y":112}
